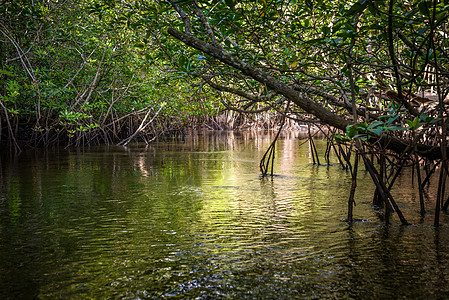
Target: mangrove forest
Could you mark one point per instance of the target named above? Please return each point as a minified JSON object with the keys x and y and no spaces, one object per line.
{"x":239,"y":118}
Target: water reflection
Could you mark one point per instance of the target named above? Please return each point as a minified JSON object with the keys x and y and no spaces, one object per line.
{"x":194,"y":219}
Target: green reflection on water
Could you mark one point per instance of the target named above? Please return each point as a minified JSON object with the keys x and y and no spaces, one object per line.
{"x":14,"y":203}
{"x":194,"y":219}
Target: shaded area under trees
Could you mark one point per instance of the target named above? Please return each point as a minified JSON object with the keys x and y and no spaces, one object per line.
{"x":376,"y":72}
{"x":77,"y":73}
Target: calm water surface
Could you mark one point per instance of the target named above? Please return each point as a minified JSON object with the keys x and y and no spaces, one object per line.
{"x":194,"y":220}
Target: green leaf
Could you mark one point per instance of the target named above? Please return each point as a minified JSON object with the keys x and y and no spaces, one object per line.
{"x":7,"y":73}
{"x":376,"y":124}
{"x":436,"y":120}
{"x":357,"y":8}
{"x":396,"y":128}
{"x":415,"y":123}
{"x":392,"y":119}
{"x":362,"y":137}
{"x":341,"y":138}
{"x":425,"y":118}
{"x":353,"y":130}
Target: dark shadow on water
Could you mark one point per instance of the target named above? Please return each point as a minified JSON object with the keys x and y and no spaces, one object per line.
{"x":194,"y":219}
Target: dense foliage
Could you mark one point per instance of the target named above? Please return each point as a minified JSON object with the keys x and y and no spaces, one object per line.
{"x":73,"y":69}
{"x":76,"y":72}
{"x":78,"y":67}
{"x":387,"y":59}
{"x":374,"y":72}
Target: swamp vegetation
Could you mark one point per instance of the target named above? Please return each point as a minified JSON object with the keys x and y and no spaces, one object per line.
{"x":110,"y":188}
{"x":373,"y":75}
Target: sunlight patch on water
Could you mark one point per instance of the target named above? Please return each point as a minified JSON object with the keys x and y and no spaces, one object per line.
{"x":196,"y":220}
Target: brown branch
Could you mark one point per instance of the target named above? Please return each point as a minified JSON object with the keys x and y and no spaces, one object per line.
{"x":11,"y":132}
{"x":206,"y":24}
{"x":395,"y":63}
{"x":325,"y":115}
{"x":333,"y":100}
{"x":142,"y":126}
{"x":254,"y":98}
{"x":245,"y":111}
{"x":259,"y":75}
{"x":183,"y":16}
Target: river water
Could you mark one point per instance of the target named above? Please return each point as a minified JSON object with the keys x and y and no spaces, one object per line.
{"x":193,"y":219}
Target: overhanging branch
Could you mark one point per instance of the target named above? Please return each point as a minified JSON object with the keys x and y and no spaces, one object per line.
{"x":325,"y":115}
{"x":257,"y":74}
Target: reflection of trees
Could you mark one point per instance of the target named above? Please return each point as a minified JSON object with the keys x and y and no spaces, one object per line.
{"x":139,"y":217}
{"x":375,"y":261}
{"x":150,"y":202}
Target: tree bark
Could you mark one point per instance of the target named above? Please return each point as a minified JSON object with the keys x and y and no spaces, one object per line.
{"x":326,"y":116}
